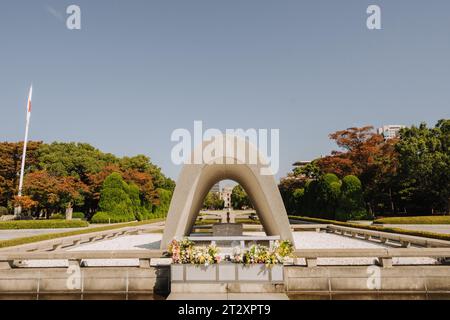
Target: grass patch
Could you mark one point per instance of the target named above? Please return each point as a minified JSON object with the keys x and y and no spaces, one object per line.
{"x":415,"y":220}
{"x":42,"y":224}
{"x":43,"y":237}
{"x":214,"y":221}
{"x":426,"y":234}
{"x":206,"y":221}
{"x":247,"y":221}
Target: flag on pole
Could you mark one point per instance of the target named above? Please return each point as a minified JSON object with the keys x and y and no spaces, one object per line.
{"x":25,"y":141}
{"x":30,"y":94}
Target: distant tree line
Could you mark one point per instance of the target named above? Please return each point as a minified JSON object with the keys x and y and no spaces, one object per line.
{"x":63,"y":176}
{"x":369,"y":175}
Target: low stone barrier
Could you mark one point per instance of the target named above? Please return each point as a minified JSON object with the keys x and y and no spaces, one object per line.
{"x":87,"y":283}
{"x":152,"y":276}
{"x":384,"y":255}
{"x":363,"y":282}
{"x":387,"y":237}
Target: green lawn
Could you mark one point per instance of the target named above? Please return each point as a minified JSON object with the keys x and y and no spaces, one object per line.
{"x":214,"y":221}
{"x":42,"y":224}
{"x":415,"y":220}
{"x":43,"y":237}
{"x":425,"y":234}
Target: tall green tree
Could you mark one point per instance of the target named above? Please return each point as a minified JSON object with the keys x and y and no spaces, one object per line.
{"x":163,"y":202}
{"x":350,"y":205}
{"x":423,"y":180}
{"x":239,"y":198}
{"x":212,"y":201}
{"x":114,"y":197}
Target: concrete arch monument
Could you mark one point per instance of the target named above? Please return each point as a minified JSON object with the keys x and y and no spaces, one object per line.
{"x":196,"y":179}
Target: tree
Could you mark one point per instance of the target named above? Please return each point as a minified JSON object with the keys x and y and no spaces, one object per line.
{"x":368,"y":156}
{"x":73,"y":159}
{"x":351,"y":202}
{"x":163,"y":202}
{"x":133,"y":194}
{"x":213,"y":201}
{"x":308,"y":171}
{"x":25,"y":202}
{"x":320,"y":197}
{"x":143,"y":164}
{"x":53,"y":193}
{"x":10,"y":162}
{"x":423,"y":179}
{"x":114,"y":197}
{"x":288,"y":185}
{"x":239,"y":198}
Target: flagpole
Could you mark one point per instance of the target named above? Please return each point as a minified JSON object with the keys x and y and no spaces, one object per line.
{"x":25,"y":142}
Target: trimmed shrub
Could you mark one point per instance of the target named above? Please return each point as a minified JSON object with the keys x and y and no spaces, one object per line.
{"x":114,"y":196}
{"x":165,"y":196}
{"x":120,"y":202}
{"x":351,"y":203}
{"x":57,"y":216}
{"x":78,"y":215}
{"x":321,"y":196}
{"x":42,"y":224}
{"x":111,"y":217}
{"x":140,"y":213}
{"x":3,"y":211}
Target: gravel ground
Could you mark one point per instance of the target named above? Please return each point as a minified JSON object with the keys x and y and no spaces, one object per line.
{"x":314,"y":240}
{"x":303,"y":240}
{"x":137,"y":242}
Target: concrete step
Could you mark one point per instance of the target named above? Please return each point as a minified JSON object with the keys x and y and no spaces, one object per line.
{"x":227,"y":296}
{"x":227,"y":288}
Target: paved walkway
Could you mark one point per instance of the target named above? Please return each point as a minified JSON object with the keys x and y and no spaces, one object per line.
{"x":21,"y":233}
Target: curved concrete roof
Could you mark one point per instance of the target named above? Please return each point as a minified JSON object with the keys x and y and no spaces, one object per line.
{"x":196,"y":180}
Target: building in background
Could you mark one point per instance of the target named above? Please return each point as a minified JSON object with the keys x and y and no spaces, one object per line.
{"x":390,"y":131}
{"x":216,"y":188}
{"x":225,"y":195}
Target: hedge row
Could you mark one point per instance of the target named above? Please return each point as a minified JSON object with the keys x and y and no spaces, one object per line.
{"x":111,"y":217}
{"x":426,"y":234}
{"x":43,"y":237}
{"x":42,"y":224}
{"x":415,"y":220}
{"x":60,"y":216}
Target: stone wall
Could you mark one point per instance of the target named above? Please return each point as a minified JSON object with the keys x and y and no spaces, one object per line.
{"x":105,"y":283}
{"x":330,"y":282}
{"x":361,"y":281}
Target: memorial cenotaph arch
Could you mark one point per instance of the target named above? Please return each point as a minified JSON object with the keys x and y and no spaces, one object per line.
{"x":243,"y":164}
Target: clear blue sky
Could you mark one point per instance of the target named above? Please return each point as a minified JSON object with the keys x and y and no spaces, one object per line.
{"x":140,"y":69}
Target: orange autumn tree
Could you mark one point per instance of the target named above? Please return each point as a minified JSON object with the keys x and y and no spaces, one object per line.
{"x":10,"y":161}
{"x":53,"y":193}
{"x":367,"y":155}
{"x":25,"y":202}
